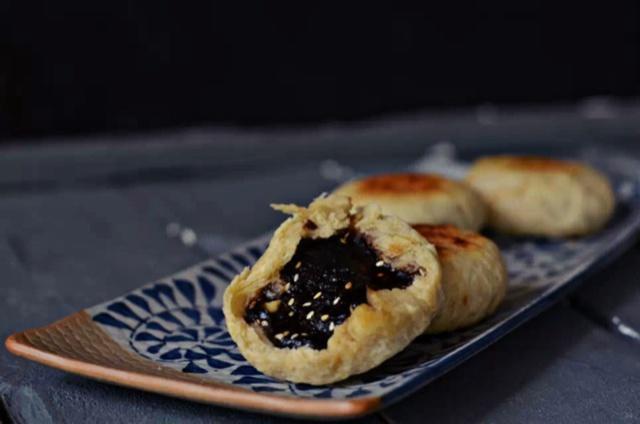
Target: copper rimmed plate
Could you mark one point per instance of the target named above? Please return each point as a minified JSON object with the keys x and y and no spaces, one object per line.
{"x":169,"y":336}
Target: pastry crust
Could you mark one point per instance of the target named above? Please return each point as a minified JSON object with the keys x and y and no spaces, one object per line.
{"x":375,"y":330}
{"x":474,"y":278}
{"x":420,"y":199}
{"x":542,"y":197}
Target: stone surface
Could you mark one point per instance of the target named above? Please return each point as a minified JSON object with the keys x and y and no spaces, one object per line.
{"x":559,"y":367}
{"x":80,"y":224}
{"x":614,"y":293}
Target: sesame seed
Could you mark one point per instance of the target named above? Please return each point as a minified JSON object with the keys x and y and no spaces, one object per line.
{"x":332,"y":326}
{"x":324,"y":317}
{"x":264,"y":323}
{"x":348,"y":285}
{"x":380,"y":274}
{"x":291,"y":313}
{"x":421,"y":271}
{"x":287,"y":286}
{"x":336,"y":300}
{"x":295,"y":277}
{"x":306,"y":304}
{"x":294,"y":336}
{"x":317,"y":295}
{"x":310,"y":315}
{"x":291,"y":301}
{"x":298,"y":265}
{"x":279,"y":336}
{"x":379,"y":263}
{"x":286,"y":333}
{"x":304,"y":334}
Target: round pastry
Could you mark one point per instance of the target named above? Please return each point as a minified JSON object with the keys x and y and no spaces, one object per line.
{"x":474,"y":278}
{"x":338,"y":291}
{"x":542,"y":197}
{"x":420,"y":199}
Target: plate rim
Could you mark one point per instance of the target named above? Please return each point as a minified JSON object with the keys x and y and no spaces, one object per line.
{"x":219,"y":394}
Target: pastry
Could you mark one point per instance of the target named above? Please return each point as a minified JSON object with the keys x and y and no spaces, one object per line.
{"x":542,"y":197}
{"x":474,"y":279}
{"x":420,"y":199}
{"x":339,"y":290}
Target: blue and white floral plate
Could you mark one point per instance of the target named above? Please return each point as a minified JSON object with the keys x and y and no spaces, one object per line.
{"x":169,"y":336}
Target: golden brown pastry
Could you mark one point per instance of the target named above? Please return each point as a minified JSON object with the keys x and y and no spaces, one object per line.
{"x":420,"y":199}
{"x":542,"y":197}
{"x":338,"y":291}
{"x":474,"y":278}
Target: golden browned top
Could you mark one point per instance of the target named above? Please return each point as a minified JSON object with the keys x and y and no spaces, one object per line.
{"x":448,"y":239}
{"x":401,"y":183}
{"x":533,"y":163}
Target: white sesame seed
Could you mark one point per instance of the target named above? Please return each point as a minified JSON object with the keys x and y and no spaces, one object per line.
{"x":306,"y":304}
{"x":291,"y":301}
{"x":310,"y":315}
{"x":332,"y":326}
{"x":279,"y":336}
{"x":295,"y":277}
{"x":291,"y":313}
{"x":304,"y":334}
{"x":421,"y":271}
{"x":264,"y":323}
{"x":298,"y":265}
{"x":379,"y":263}
{"x":348,"y":285}
{"x":336,"y":300}
{"x":287,"y":286}
{"x":294,"y":336}
{"x":324,"y":317}
{"x":317,"y":295}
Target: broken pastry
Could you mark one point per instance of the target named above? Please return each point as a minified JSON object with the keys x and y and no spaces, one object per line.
{"x":338,"y":291}
{"x":420,"y":199}
{"x":474,"y":278}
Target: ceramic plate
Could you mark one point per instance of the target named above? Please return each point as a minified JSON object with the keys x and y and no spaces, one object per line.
{"x":169,"y":336}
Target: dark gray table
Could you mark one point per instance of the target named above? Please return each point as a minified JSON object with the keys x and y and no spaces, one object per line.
{"x":84,"y":222}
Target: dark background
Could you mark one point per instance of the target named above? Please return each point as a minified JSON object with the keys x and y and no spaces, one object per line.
{"x":94,"y":66}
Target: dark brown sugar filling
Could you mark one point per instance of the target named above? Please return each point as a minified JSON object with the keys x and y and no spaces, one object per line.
{"x":319,"y":287}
